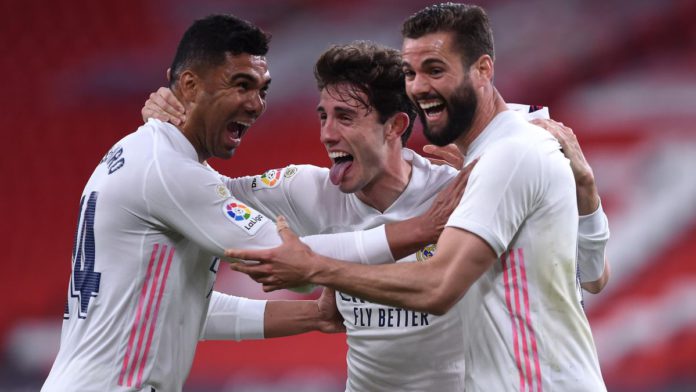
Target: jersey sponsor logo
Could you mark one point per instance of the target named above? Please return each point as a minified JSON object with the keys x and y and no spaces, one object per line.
{"x":245,"y":217}
{"x":426,"y":253}
{"x":290,"y":171}
{"x":379,"y":316}
{"x":222,"y":191}
{"x":267,"y":180}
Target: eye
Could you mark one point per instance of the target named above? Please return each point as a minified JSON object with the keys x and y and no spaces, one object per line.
{"x":322,"y":117}
{"x":409,"y":74}
{"x":345,"y":118}
{"x":436,"y":71}
{"x":263,"y":93}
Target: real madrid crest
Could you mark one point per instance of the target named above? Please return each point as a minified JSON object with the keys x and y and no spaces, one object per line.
{"x":426,"y":252}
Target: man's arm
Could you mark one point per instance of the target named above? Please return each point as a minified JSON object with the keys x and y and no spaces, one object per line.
{"x":432,"y":287}
{"x":593,"y":229}
{"x":235,"y":318}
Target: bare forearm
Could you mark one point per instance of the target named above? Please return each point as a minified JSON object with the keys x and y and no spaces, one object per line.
{"x":285,"y":318}
{"x":588,"y":197}
{"x":408,"y":236}
{"x":408,"y":285}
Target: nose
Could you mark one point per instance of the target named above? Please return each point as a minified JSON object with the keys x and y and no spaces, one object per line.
{"x":328,"y":133}
{"x":255,"y":105}
{"x":417,"y":86}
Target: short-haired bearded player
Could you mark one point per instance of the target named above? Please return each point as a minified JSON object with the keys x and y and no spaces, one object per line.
{"x":366,"y":119}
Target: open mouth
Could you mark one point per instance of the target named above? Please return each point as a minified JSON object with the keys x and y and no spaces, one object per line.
{"x":432,"y":107}
{"x":237,"y":128}
{"x":340,"y":157}
{"x":342,"y":161}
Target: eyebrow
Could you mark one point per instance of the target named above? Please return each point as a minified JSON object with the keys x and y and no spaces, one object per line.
{"x":426,"y":62}
{"x":250,"y":78}
{"x":339,"y":109}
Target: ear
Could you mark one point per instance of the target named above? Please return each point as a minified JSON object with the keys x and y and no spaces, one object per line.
{"x":189,"y":84}
{"x":397,"y":125}
{"x":483,"y":68}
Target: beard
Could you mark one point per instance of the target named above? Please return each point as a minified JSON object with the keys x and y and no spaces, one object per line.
{"x":461,"y":108}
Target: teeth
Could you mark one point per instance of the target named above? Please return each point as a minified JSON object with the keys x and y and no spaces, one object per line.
{"x":338,"y":154}
{"x":430,"y":104}
{"x":247,"y":125}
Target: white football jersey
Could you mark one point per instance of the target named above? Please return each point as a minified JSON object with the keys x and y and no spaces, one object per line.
{"x":389,"y":348}
{"x":525,"y":328}
{"x":152,"y":223}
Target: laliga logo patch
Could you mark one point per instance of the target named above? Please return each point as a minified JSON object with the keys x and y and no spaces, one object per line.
{"x":426,"y":252}
{"x":238,"y":211}
{"x":241,"y":215}
{"x":270,"y":178}
{"x":267,"y":180}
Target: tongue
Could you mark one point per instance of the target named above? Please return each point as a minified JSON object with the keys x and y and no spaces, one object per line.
{"x":338,"y":170}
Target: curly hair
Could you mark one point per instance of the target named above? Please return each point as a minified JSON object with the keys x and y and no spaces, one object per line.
{"x":372,"y":69}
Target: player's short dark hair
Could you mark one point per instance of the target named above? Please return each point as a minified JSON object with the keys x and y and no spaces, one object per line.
{"x":372,"y":69}
{"x":469,"y":23}
{"x":206,"y":43}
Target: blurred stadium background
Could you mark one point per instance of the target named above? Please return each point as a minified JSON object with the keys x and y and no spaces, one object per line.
{"x":622,"y":73}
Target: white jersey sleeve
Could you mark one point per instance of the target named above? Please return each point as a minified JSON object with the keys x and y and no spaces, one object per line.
{"x":234,"y":318}
{"x":194,"y":202}
{"x":297,"y":192}
{"x":593,"y":234}
{"x":495,"y":204}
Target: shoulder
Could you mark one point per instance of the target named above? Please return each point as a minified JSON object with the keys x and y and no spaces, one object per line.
{"x":432,"y":175}
{"x":289,"y":175}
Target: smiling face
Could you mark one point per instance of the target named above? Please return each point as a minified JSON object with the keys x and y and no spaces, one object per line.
{"x":227,"y":99}
{"x":354,"y":138}
{"x":441,"y":87}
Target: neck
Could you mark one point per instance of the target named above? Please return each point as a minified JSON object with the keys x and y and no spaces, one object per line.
{"x":488,"y":108}
{"x":383,"y":191}
{"x":190,"y":128}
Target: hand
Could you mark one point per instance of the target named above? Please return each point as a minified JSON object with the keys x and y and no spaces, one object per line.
{"x":446,"y":201}
{"x":588,"y":197}
{"x":288,"y":265}
{"x":450,"y":155}
{"x":164,"y":106}
{"x":330,"y":319}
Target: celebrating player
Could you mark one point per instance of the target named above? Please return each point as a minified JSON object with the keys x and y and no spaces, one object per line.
{"x":366,"y":118}
{"x":506,"y":262}
{"x":154,"y":220}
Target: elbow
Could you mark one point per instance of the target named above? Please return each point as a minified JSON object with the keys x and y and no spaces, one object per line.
{"x":593,"y":287}
{"x":439,"y":303}
{"x":598,"y":285}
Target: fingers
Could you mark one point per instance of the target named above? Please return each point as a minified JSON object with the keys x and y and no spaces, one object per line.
{"x":438,"y":162}
{"x":166,"y":103}
{"x":249,"y":254}
{"x":449,"y":153}
{"x":284,"y":230}
{"x":148,"y":112}
{"x":171,"y":100}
